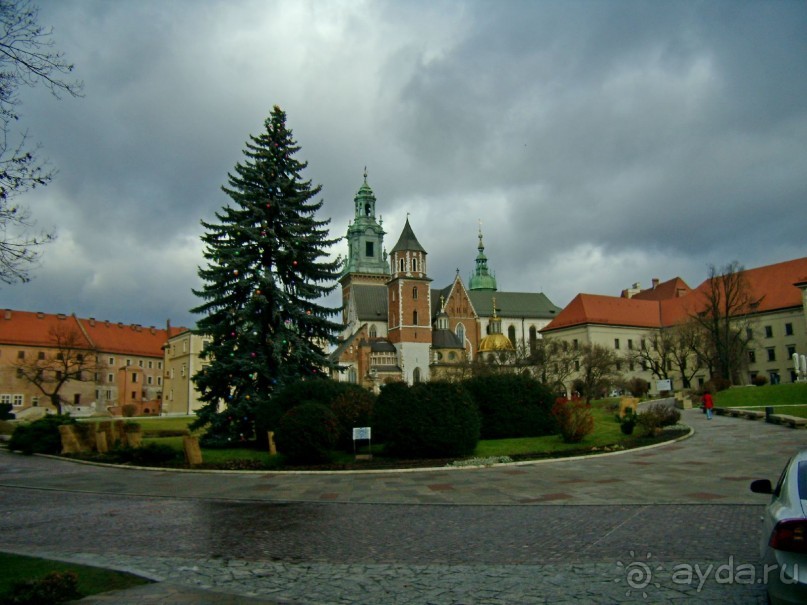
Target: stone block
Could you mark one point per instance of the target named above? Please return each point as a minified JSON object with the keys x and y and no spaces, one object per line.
{"x":193,"y":453}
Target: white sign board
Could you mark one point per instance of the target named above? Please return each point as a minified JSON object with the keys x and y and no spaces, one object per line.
{"x":361,"y":433}
{"x":664,"y":385}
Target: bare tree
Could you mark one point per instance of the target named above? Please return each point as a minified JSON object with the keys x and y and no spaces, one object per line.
{"x":597,"y":369}
{"x":71,"y":358}
{"x":554,"y":362}
{"x":673,"y":348}
{"x":27,"y":58}
{"x":724,"y":317}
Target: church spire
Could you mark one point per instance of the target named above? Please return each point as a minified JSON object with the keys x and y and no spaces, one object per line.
{"x":482,"y":279}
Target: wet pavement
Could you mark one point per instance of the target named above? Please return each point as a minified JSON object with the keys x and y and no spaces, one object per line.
{"x":637,"y":526}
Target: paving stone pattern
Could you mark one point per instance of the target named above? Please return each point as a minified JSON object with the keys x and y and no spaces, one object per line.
{"x":614,"y":529}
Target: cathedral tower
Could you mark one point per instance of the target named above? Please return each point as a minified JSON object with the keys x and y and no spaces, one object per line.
{"x":482,"y":279}
{"x":366,"y":261}
{"x":409,"y":304}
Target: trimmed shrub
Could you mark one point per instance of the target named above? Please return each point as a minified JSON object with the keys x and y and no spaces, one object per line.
{"x":427,"y":420}
{"x":656,"y":416}
{"x":41,"y":436}
{"x":574,"y":419}
{"x":638,"y":387}
{"x":324,"y":391}
{"x":150,"y":454}
{"x":512,"y":406}
{"x":352,"y":408}
{"x":307,"y":433}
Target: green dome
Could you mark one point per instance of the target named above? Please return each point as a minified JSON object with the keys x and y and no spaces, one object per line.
{"x":482,"y":278}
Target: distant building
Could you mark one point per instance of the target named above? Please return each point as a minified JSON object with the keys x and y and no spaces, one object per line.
{"x":128,"y":369}
{"x":397,"y":327}
{"x":776,"y":321}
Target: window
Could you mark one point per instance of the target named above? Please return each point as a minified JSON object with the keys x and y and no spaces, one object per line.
{"x":112,"y":361}
{"x":351,"y":376}
{"x":414,"y":318}
{"x":415,"y":293}
{"x":768,"y":332}
{"x":460,"y":332}
{"x":128,"y":362}
{"x":630,"y":345}
{"x":752,"y":357}
{"x":140,"y":363}
{"x":373,"y":331}
{"x":618,"y":366}
{"x":110,"y":378}
{"x":368,"y":249}
{"x":452,"y":356}
{"x":749,"y":333}
{"x":20,"y":354}
{"x":134,"y":377}
{"x":533,"y":337}
{"x":149,"y":380}
{"x":17,"y":400}
{"x":414,"y":264}
{"x":577,"y":365}
{"x":788,"y":329}
{"x":771,"y":354}
{"x":575,"y":345}
{"x":791,"y":350}
{"x":134,"y":395}
{"x":616,"y":343}
{"x":40,"y":355}
{"x":35,"y":401}
{"x":401,"y":265}
{"x":182,"y":371}
{"x":159,"y":365}
{"x":159,"y":381}
{"x":150,"y":365}
{"x":77,"y":399}
{"x":416,"y":375}
{"x":511,"y":334}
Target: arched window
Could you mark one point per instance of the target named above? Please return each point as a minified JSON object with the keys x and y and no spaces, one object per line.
{"x":373,"y":332}
{"x":414,"y":264}
{"x":402,"y":265}
{"x":416,"y":375}
{"x":460,"y":332}
{"x":511,"y":334}
{"x":415,"y":292}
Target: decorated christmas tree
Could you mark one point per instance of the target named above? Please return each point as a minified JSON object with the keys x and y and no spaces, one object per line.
{"x":264,"y":323}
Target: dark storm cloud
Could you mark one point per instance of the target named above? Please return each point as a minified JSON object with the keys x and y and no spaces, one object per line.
{"x":600,"y":143}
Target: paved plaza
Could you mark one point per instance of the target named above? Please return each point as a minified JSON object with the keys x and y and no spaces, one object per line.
{"x":671,"y":524}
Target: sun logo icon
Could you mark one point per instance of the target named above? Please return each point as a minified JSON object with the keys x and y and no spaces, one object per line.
{"x":638,"y":575}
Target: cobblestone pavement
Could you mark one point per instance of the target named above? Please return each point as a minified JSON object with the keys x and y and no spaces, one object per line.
{"x":668,"y":525}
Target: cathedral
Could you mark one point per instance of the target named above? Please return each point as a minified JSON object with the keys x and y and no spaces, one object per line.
{"x":397,"y":327}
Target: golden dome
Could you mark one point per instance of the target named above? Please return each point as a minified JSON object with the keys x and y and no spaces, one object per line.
{"x":495,"y":342}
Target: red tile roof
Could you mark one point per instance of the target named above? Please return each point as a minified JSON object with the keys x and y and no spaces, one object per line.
{"x":35,"y":329}
{"x":772,"y":286}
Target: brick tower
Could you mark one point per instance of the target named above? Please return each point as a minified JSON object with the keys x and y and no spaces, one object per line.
{"x":409,"y":306}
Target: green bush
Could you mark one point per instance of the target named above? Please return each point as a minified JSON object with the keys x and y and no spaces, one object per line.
{"x":41,"y":436}
{"x":307,"y":434}
{"x":574,"y":420}
{"x":352,"y":408}
{"x":656,"y":416}
{"x":427,"y":420}
{"x":56,"y":587}
{"x":317,"y":390}
{"x":150,"y":454}
{"x":512,"y":406}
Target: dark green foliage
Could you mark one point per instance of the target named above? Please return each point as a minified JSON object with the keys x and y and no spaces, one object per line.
{"x":56,"y":587}
{"x":263,"y":283}
{"x":574,"y":420}
{"x":150,"y":454}
{"x":656,"y":416}
{"x":349,"y":402}
{"x":41,"y":436}
{"x":307,"y":434}
{"x":5,"y":411}
{"x":512,"y":405}
{"x":427,"y":420}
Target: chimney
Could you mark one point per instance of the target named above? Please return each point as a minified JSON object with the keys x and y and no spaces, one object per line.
{"x":62,"y":316}
{"x":92,"y":322}
{"x":40,"y":315}
{"x":168,"y":327}
{"x":8,"y":313}
{"x":655,"y":282}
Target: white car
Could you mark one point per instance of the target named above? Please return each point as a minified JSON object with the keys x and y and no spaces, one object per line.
{"x":784,"y":533}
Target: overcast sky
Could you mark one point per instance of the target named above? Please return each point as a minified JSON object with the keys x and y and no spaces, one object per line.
{"x":600,"y":143}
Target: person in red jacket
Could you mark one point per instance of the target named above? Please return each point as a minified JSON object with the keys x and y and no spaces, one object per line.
{"x":708,"y":404}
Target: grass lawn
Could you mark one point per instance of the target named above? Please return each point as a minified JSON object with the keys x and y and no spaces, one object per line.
{"x":152,"y":423}
{"x":91,"y":580}
{"x":788,"y":399}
